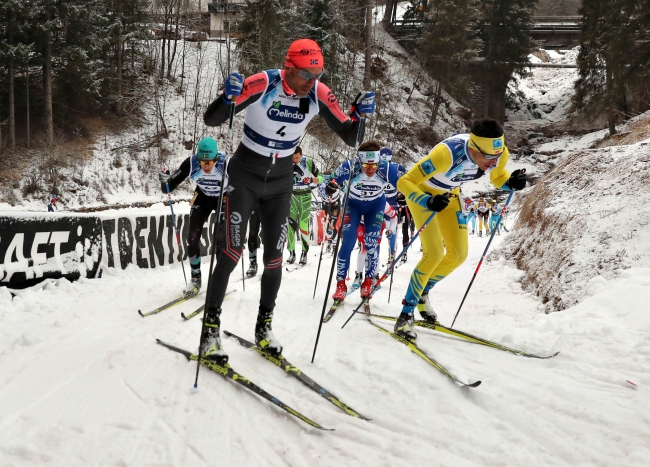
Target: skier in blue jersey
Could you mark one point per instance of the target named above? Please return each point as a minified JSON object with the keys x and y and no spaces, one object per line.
{"x":368,"y":181}
{"x":206,"y":169}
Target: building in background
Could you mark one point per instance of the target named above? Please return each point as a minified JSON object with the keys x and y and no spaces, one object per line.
{"x":224,"y":17}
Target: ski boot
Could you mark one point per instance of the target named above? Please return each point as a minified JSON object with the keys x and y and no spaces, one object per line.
{"x":375,"y":280}
{"x":404,"y":325}
{"x":480,"y":233}
{"x":426,"y":310}
{"x":390,"y":259}
{"x":292,"y":257}
{"x":252,"y":269}
{"x":328,"y":247}
{"x":193,"y":288}
{"x":264,"y":337}
{"x":403,"y":259}
{"x":211,"y":348}
{"x":341,"y":290}
{"x":366,"y":288}
{"x":358,"y":279}
{"x":303,"y":258}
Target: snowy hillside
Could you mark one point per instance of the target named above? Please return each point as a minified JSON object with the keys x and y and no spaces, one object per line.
{"x":584,"y":222}
{"x":122,"y":168}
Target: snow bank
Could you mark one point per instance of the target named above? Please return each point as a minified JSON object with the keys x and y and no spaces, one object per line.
{"x":585,"y":219}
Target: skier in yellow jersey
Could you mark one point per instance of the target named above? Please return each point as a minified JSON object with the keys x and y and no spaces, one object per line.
{"x":433,"y":184}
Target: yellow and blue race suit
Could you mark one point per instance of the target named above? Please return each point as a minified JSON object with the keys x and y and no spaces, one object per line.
{"x":444,"y":240}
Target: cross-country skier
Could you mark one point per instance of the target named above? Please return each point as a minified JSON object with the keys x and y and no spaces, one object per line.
{"x":206,"y":169}
{"x":395,"y":171}
{"x":305,"y":174}
{"x":366,"y":192}
{"x":407,"y":223}
{"x":482,"y":212}
{"x":471,"y":215}
{"x":428,"y":186}
{"x":279,"y":104}
{"x":330,"y":194}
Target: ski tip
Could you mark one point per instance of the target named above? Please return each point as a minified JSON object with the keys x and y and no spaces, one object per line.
{"x":140,"y":313}
{"x":158,"y":341}
{"x":474,"y":384}
{"x":183,"y":316}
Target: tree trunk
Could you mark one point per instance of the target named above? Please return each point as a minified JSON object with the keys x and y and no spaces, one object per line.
{"x":29,"y":137}
{"x":388,"y":12}
{"x":118,"y":59}
{"x":611,"y":116}
{"x":162,"y":48}
{"x":173,"y":55}
{"x":611,"y":121}
{"x":437,"y":100}
{"x":12,"y":104}
{"x":47,"y":80}
{"x":367,"y":71}
{"x":12,"y":93}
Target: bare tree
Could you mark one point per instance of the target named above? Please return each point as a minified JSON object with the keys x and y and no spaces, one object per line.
{"x":47,"y":77}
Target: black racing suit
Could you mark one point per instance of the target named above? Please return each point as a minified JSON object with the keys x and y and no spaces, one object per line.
{"x":267,"y":180}
{"x":202,"y":206}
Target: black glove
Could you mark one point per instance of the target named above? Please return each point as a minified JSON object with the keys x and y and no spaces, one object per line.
{"x":331,"y":188}
{"x":164,"y":176}
{"x":437,"y":203}
{"x":517,"y":180}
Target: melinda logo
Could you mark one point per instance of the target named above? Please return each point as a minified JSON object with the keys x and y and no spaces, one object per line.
{"x":283,"y":113}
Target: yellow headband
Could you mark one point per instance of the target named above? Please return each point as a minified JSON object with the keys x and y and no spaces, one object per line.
{"x":491,"y":146}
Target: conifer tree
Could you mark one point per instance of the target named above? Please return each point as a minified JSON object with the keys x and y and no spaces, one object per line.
{"x":613,"y":56}
{"x":505,"y":31}
{"x":448,"y":43}
{"x":266,"y":33}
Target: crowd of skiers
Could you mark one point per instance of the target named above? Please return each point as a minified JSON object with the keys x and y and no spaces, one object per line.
{"x":363,"y":197}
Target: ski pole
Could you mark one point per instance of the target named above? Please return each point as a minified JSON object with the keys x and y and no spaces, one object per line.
{"x":178,"y":237}
{"x":390,"y":267}
{"x":360,"y":129}
{"x":215,"y":236}
{"x":481,"y":260}
{"x":390,"y":288}
{"x":243,"y":275}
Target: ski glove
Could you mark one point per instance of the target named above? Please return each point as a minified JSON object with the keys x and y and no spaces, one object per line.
{"x":364,"y":104}
{"x":164,"y":176}
{"x":517,"y":180}
{"x":233,"y":86}
{"x":331,"y":188}
{"x":437,"y":203}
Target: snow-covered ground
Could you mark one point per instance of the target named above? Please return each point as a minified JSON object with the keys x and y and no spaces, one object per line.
{"x":545,"y":94}
{"x":82,"y":381}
